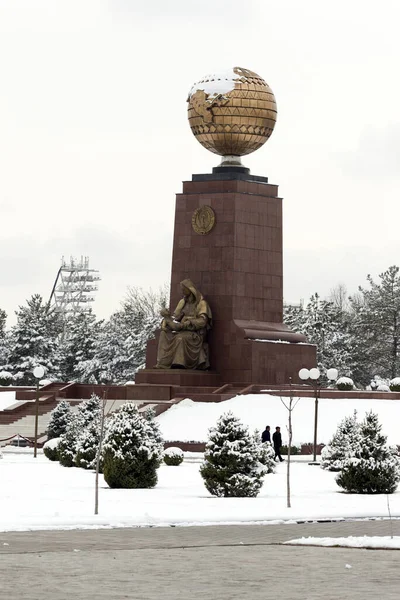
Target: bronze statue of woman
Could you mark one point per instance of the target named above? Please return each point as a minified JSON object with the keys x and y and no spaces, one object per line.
{"x":183,"y":335}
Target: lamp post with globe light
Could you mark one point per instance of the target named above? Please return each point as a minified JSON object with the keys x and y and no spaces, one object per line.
{"x":38,"y":373}
{"x":312,"y":376}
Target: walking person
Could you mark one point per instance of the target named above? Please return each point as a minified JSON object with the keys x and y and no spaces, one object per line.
{"x":266,"y":435}
{"x":277,"y":440}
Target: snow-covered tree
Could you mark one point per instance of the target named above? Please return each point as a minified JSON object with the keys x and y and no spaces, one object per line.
{"x":80,"y":421}
{"x":342,"y":445}
{"x":374,"y":467}
{"x":59,"y":419}
{"x":326,"y":325}
{"x":232,"y":465}
{"x":78,"y":345}
{"x":34,"y":341}
{"x":68,"y":441}
{"x":88,"y":443}
{"x":132,"y":452}
{"x":377,"y":322}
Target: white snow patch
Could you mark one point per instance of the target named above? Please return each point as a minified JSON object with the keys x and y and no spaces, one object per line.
{"x":6,"y":399}
{"x":350,"y":542}
{"x":216,"y":84}
{"x":190,"y":421}
{"x":38,"y":494}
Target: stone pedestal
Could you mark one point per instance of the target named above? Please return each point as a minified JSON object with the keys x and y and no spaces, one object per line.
{"x":238,"y":268}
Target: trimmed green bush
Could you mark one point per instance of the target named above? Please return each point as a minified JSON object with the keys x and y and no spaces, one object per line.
{"x":50,"y":449}
{"x":394,"y":384}
{"x":173,"y":457}
{"x":132,"y":449}
{"x":345,"y":384}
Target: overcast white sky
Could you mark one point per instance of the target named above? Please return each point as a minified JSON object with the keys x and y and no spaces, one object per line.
{"x":94,"y":139}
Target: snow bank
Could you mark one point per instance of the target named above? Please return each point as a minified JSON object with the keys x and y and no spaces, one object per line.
{"x":190,"y":421}
{"x":6,"y":399}
{"x":38,"y":494}
{"x":350,"y":542}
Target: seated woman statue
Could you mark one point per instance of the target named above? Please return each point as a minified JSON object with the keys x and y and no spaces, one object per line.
{"x":183,"y":335}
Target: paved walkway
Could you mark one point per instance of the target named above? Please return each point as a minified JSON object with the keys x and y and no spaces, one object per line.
{"x":213,"y":563}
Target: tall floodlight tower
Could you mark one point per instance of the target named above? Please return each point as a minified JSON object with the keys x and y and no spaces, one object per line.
{"x":74,"y":287}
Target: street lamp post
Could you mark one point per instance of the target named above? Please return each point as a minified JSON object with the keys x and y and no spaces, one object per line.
{"x":312,"y":376}
{"x":38,"y":373}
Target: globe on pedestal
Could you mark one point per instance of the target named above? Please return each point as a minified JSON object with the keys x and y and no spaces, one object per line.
{"x":232,"y":113}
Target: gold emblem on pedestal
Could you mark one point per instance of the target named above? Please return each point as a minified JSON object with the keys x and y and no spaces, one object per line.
{"x":232,"y":113}
{"x":203,"y":220}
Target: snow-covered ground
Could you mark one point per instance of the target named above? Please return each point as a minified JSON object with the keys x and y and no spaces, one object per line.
{"x":6,"y":399}
{"x":384,"y":541}
{"x":190,"y":421}
{"x":40,"y":494}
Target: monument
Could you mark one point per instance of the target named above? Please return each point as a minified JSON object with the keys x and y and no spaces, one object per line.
{"x":228,"y":247}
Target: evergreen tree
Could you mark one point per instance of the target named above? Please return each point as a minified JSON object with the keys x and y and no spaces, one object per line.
{"x":34,"y":341}
{"x":87,"y":412}
{"x":59,"y":419}
{"x":78,"y":345}
{"x":232,"y":465}
{"x":327,"y":326}
{"x":69,"y":440}
{"x":132,"y":452}
{"x":374,"y":467}
{"x":377,"y":323}
{"x":89,"y":437}
{"x":342,"y":444}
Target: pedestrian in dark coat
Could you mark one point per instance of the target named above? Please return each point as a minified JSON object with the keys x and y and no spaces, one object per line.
{"x":277,"y":440}
{"x":266,"y":435}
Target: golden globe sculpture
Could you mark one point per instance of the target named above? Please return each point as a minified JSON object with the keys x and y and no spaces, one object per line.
{"x":232,"y":113}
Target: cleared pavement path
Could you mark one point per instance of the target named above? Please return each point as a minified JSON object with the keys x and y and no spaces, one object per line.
{"x":218,"y":563}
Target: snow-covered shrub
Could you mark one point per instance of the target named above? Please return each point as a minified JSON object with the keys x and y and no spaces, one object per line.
{"x":87,"y":411}
{"x":88,"y":440}
{"x":6,"y":378}
{"x":87,"y":445}
{"x":173,"y":456}
{"x":132,"y":449}
{"x":374,"y":467}
{"x":59,"y":419}
{"x":68,"y":441}
{"x":345,"y":384}
{"x":382,"y":387}
{"x":50,"y":449}
{"x":395,"y":384}
{"x":342,"y":445}
{"x":232,"y":465}
{"x":267,"y":454}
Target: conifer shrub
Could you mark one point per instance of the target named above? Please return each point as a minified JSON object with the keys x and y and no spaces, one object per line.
{"x":69,"y":440}
{"x":232,"y":465}
{"x":374,"y":467}
{"x":132,"y":449}
{"x":173,"y":457}
{"x":394,"y":384}
{"x":267,"y":454}
{"x":342,"y":445}
{"x":50,"y":449}
{"x":88,"y":440}
{"x":345,"y":384}
{"x":59,"y":419}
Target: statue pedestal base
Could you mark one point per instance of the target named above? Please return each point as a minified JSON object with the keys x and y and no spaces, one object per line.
{"x":178,"y":377}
